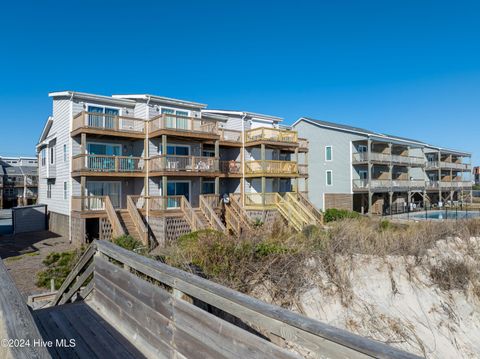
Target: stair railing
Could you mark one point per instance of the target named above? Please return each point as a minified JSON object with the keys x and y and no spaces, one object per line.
{"x":137,"y":220}
{"x":211,"y":215}
{"x":117,"y":229}
{"x":190,"y":215}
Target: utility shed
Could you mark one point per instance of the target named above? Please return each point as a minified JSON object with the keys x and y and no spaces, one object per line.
{"x":29,"y":218}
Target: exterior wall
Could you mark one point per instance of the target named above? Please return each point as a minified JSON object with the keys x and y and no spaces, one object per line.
{"x":340,"y":165}
{"x":339,"y":200}
{"x":61,"y":128}
{"x":59,"y":223}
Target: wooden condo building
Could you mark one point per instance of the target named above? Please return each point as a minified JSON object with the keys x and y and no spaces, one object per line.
{"x":156,"y":168}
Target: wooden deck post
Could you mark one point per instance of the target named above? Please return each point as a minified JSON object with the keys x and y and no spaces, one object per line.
{"x":369,"y":176}
{"x":164,"y":152}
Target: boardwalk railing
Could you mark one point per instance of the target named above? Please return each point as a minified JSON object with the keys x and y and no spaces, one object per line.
{"x":177,"y":306}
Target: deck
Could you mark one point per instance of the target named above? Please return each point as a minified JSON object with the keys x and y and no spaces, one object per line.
{"x":94,"y":337}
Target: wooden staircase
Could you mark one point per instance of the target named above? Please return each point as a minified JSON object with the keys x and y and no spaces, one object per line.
{"x":295,"y":213}
{"x":236,"y":218}
{"x":128,"y":225}
{"x":208,"y":206}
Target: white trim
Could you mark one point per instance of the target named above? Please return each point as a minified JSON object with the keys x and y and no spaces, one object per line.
{"x":155,"y":98}
{"x":245,"y":114}
{"x":331,"y":153}
{"x":326,"y":178}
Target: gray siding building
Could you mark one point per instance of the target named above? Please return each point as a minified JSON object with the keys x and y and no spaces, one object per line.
{"x":357,"y":169}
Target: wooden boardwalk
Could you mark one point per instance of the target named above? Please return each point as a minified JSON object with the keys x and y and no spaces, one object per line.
{"x":94,"y":337}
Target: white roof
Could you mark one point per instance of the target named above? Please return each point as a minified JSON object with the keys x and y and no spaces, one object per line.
{"x":161,"y":99}
{"x":246,"y":113}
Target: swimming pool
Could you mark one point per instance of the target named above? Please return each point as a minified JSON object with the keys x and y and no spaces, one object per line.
{"x":445,"y":214}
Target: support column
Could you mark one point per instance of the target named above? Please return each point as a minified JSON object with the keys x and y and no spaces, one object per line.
{"x":439,"y":177}
{"x":262,"y":159}
{"x":217,"y":155}
{"x":164,"y":151}
{"x":217,"y":186}
{"x":83,"y":143}
{"x":82,"y":191}
{"x":164,"y":188}
{"x":146,"y":179}
{"x":369,"y":175}
{"x":390,"y":200}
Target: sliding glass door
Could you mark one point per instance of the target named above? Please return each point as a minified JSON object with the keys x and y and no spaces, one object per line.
{"x":177,"y":188}
{"x":102,"y":117}
{"x":112,"y":189}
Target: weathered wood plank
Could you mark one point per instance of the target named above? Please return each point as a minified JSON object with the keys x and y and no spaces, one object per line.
{"x":16,"y":321}
{"x":153,"y":296}
{"x":151,"y":320}
{"x":98,"y":333}
{"x":150,"y":345}
{"x":224,"y":337}
{"x":84,"y":259}
{"x":49,"y":330}
{"x":78,"y":283}
{"x":320,"y":338}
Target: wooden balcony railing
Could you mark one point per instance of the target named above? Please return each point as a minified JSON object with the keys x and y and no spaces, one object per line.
{"x":303,"y":170}
{"x":303,"y":144}
{"x":88,"y":203}
{"x":269,"y":167}
{"x":259,"y":199}
{"x":231,"y":167}
{"x":182,"y":123}
{"x":230,"y":135}
{"x":172,"y":163}
{"x":375,"y":184}
{"x":100,"y":121}
{"x":388,"y":158}
{"x":448,"y":165}
{"x":108,"y":164}
{"x":271,"y":134}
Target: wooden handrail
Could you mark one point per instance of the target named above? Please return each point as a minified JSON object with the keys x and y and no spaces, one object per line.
{"x":300,"y":208}
{"x":190,"y":215}
{"x":117,"y":229}
{"x":306,"y":202}
{"x":242,"y":214}
{"x":211,"y":215}
{"x":137,"y":220}
{"x":17,"y":323}
{"x":305,"y":332}
{"x":72,"y":277}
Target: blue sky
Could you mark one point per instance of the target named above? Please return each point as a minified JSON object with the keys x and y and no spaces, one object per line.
{"x":410,"y":68}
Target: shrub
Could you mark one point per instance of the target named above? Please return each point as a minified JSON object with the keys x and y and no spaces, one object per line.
{"x":450,"y":274}
{"x":127,"y":242}
{"x":334,"y":214}
{"x":59,"y":265}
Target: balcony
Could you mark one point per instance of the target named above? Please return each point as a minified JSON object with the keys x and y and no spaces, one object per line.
{"x":386,"y":158}
{"x":183,"y":126}
{"x":272,"y":136}
{"x":388,"y":185}
{"x":230,"y":137}
{"x":435,"y":165}
{"x":88,"y":203}
{"x":303,"y":170}
{"x":270,"y":168}
{"x":183,"y":165}
{"x":103,"y":165}
{"x":449,"y":185}
{"x":231,"y":168}
{"x":303,"y":145}
{"x":105,"y":124}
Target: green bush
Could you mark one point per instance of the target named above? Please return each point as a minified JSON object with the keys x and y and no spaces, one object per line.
{"x":59,"y":265}
{"x":127,"y":242}
{"x":334,"y":214}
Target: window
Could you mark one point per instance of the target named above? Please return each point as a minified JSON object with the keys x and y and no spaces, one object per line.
{"x":208,"y":153}
{"x":362,"y":149}
{"x":363,"y":174}
{"x":64,"y":153}
{"x":208,"y":187}
{"x":44,"y":157}
{"x":102,"y":117}
{"x":178,"y":150}
{"x":328,"y":153}
{"x":329,"y":178}
{"x":52,"y":155}
{"x":65,"y":191}
{"x":178,"y":119}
